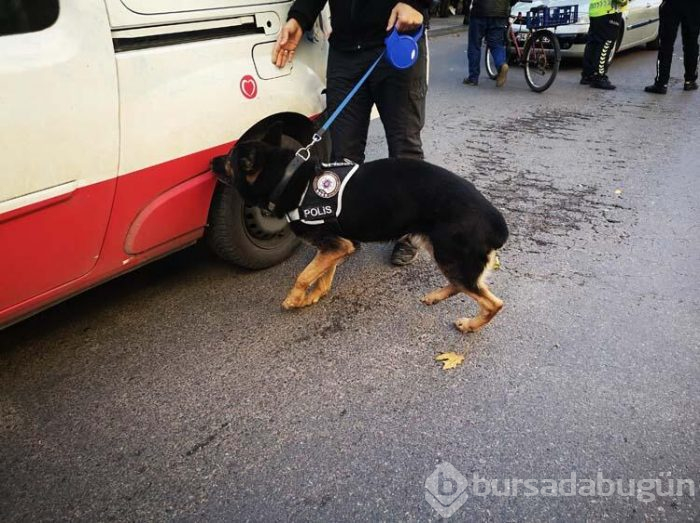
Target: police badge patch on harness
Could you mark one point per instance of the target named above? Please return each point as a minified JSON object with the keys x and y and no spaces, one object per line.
{"x":323,"y":197}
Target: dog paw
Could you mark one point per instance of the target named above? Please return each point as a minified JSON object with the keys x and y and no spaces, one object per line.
{"x":292,"y":302}
{"x":428,"y":300}
{"x":298,"y":302}
{"x":313,"y":298}
{"x":468,"y":325}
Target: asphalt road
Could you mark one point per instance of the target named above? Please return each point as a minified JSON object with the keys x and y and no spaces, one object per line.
{"x":183,"y":392}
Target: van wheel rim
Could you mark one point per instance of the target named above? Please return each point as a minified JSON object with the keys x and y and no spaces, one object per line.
{"x":263,"y":228}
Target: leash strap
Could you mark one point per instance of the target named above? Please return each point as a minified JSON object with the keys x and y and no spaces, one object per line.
{"x":303,"y":154}
{"x":349,"y":96}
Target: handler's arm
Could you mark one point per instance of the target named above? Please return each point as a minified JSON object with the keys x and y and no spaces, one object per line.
{"x":300,"y":18}
{"x":407,"y":16}
{"x":306,"y":12}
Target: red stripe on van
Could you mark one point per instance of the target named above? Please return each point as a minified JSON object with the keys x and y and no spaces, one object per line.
{"x":188,"y":177}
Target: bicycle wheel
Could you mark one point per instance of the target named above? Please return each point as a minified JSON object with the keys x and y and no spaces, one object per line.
{"x":489,"y":63}
{"x":542,"y":58}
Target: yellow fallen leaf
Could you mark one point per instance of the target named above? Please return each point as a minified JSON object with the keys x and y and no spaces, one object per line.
{"x":449,"y":360}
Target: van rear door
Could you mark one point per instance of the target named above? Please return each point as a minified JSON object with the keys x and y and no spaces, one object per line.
{"x":59,"y":141}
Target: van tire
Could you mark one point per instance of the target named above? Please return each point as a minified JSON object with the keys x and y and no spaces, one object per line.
{"x":235,"y":235}
{"x":243,"y":235}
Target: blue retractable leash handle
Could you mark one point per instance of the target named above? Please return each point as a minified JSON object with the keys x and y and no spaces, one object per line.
{"x":401,"y":51}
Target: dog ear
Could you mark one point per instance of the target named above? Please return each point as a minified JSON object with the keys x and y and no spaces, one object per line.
{"x":273,"y":136}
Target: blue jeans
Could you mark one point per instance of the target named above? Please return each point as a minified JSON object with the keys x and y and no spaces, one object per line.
{"x":494,"y":30}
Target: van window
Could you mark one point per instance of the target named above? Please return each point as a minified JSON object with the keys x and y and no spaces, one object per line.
{"x":26,"y":16}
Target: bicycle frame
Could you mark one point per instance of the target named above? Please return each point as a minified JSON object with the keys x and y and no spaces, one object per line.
{"x":514,"y":40}
{"x":538,"y":54}
{"x":520,"y":49}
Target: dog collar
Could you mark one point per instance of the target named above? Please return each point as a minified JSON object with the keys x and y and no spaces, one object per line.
{"x":289,"y":171}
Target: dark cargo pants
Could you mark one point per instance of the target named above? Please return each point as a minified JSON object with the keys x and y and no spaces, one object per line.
{"x":398,"y":94}
{"x":602,"y":38}
{"x":673,"y":14}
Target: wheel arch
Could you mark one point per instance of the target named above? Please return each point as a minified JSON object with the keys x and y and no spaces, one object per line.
{"x":620,"y":37}
{"x":295,"y":125}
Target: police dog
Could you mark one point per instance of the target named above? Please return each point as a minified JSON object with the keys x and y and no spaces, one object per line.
{"x":385,"y":200}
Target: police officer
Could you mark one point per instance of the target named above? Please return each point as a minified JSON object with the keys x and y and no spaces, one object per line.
{"x":359,"y":29}
{"x":603,"y":31}
{"x":673,"y":13}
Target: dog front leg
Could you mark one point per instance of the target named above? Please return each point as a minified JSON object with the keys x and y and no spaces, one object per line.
{"x":323,"y":286}
{"x":321,"y":269}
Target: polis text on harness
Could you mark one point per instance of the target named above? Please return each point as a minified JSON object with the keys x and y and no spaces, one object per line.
{"x":322,"y":200}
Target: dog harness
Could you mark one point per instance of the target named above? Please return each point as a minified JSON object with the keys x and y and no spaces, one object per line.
{"x":322,"y":200}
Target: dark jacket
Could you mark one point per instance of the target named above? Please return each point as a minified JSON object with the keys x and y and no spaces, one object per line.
{"x":357,"y":24}
{"x":492,"y":8}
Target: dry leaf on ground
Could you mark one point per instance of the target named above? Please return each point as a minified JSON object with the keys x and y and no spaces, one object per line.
{"x":450,"y":360}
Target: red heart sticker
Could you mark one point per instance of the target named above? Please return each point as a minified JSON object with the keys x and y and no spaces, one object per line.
{"x":249,"y":86}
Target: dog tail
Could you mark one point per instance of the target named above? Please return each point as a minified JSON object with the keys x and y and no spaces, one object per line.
{"x":500,"y":230}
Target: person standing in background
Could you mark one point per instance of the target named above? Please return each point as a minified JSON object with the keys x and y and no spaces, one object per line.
{"x":603,"y":32}
{"x":466,"y":11}
{"x":673,"y":13}
{"x":488,"y":19}
{"x":359,"y":29}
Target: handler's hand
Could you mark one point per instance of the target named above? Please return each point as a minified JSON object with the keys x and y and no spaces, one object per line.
{"x":404,"y":17}
{"x":287,"y":42}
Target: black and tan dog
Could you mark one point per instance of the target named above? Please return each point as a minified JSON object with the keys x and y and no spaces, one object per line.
{"x":384,"y":200}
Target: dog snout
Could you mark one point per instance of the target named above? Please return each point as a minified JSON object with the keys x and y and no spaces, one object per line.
{"x":218,"y":164}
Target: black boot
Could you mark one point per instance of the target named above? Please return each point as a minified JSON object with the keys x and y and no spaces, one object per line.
{"x":690,"y":85}
{"x":404,"y":252}
{"x":656,"y":88}
{"x":601,"y":82}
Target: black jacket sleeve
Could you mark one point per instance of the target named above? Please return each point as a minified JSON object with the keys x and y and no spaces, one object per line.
{"x":418,"y":5}
{"x":305,"y":12}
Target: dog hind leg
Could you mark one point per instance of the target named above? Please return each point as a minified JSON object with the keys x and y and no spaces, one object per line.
{"x":489,"y":305}
{"x":440,"y":294}
{"x":466,"y":269}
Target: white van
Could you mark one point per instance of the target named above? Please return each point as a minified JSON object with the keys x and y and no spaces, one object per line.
{"x":110,"y":114}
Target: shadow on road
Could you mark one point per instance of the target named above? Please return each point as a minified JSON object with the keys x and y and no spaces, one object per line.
{"x":161,"y":273}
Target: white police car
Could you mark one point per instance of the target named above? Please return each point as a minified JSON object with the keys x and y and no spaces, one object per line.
{"x":640,"y":27}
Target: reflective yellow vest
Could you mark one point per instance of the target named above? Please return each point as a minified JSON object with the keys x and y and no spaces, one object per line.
{"x":606,"y":7}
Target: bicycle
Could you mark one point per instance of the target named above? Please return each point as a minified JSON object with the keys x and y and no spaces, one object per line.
{"x":538,"y":50}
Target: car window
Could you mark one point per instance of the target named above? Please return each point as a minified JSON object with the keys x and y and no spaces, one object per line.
{"x":26,"y":16}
